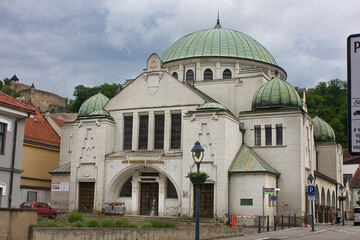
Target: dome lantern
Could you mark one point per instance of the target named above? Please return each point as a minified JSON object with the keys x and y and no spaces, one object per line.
{"x":322,"y":130}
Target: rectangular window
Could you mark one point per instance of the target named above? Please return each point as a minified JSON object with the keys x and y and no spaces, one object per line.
{"x":2,"y":137}
{"x":268,"y":136}
{"x":175,"y":131}
{"x":31,"y":196}
{"x":246,"y":202}
{"x":159,"y":131}
{"x":257,"y":135}
{"x":128,"y":127}
{"x":143,"y":132}
{"x":279,"y":135}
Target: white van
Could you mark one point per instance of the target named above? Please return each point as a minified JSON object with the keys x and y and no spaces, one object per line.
{"x":356,"y":216}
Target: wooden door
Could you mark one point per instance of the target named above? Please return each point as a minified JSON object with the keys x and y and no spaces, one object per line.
{"x":206,"y":200}
{"x":86,"y":196}
{"x":149,"y":193}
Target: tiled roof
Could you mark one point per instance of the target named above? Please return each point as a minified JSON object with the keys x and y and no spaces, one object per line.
{"x":10,"y":102}
{"x":59,"y":122}
{"x":63,"y":168}
{"x":355,"y":181}
{"x":350,"y":159}
{"x":37,"y":129}
{"x":246,"y":160}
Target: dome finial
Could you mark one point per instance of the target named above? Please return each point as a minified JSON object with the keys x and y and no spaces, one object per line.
{"x":218,"y":21}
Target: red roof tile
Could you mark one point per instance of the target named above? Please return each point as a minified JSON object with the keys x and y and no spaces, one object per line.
{"x":8,"y":101}
{"x":355,"y":181}
{"x":37,"y":129}
{"x":350,"y":159}
{"x":59,"y":122}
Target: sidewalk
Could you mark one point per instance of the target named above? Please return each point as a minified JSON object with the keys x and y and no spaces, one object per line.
{"x":287,"y":233}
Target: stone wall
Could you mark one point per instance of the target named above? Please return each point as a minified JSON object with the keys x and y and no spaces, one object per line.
{"x":131,"y":233}
{"x":15,"y":223}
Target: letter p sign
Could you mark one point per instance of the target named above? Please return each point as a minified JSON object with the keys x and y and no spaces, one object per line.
{"x":356,"y":46}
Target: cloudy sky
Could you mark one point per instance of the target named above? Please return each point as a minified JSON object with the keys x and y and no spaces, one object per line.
{"x":58,"y":45}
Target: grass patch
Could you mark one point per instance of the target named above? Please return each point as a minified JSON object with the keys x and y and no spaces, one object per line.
{"x":157,"y":223}
{"x":42,"y":219}
{"x":74,"y":217}
{"x":60,"y":220}
{"x":108,"y":223}
{"x":78,"y":224}
{"x":93,"y":223}
{"x":49,"y":224}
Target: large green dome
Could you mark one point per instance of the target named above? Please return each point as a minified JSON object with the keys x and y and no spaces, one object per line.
{"x":276,"y":93}
{"x":93,"y":106}
{"x":323,"y":131}
{"x":218,"y":42}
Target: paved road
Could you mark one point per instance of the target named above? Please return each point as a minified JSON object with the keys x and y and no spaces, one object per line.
{"x":322,"y":232}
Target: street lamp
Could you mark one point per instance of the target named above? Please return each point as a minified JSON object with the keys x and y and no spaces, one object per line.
{"x":311,"y":182}
{"x":197,"y":155}
{"x":342,"y":190}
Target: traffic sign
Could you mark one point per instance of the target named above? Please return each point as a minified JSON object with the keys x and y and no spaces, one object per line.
{"x":268,"y":190}
{"x":311,"y":198}
{"x":311,"y":191}
{"x":274,"y":198}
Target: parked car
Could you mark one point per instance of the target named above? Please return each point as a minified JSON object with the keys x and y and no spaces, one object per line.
{"x":356,"y":216}
{"x":43,"y":209}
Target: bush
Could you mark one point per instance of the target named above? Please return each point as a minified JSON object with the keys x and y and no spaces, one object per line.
{"x":75,"y":216}
{"x":121,"y":223}
{"x":78,"y":224}
{"x":157,"y":223}
{"x":108,"y":223}
{"x":132,"y":225}
{"x":146,"y":225}
{"x":93,"y":223}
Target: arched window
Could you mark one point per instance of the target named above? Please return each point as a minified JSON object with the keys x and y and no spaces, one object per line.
{"x":226,"y":74}
{"x":171,"y":191}
{"x":126,"y":189}
{"x":190,"y":76}
{"x":175,"y":75}
{"x":208,"y":74}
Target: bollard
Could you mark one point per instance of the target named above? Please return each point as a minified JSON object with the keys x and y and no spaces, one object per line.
{"x":289,"y":221}
{"x":282,"y":221}
{"x":259,"y":225}
{"x":267,"y":226}
{"x":274,"y":223}
{"x":295,"y":220}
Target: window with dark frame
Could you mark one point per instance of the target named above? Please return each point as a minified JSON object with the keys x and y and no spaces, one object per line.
{"x":227,"y":74}
{"x":246,"y":201}
{"x":175,"y":75}
{"x":190,"y":76}
{"x":171,"y":191}
{"x":128,"y":128}
{"x":175,"y":131}
{"x":268,"y":136}
{"x":208,"y":74}
{"x":143,"y":132}
{"x":126,"y":189}
{"x":279,"y":135}
{"x":31,"y":196}
{"x":2,"y":137}
{"x":159,"y":131}
{"x":257,"y":130}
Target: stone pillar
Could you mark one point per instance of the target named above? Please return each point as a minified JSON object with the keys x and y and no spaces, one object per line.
{"x":199,"y":76}
{"x":217,"y":71}
{"x":120,"y":133}
{"x":237,"y":70}
{"x":181,"y":73}
{"x":161,"y":202}
{"x":151,"y":131}
{"x":135,"y":196}
{"x":167,"y":130}
{"x":182,"y":128}
{"x":135,"y":132}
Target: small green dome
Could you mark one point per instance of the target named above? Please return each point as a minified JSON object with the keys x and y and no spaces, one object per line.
{"x":211,"y":106}
{"x":93,"y":106}
{"x":322,"y":130}
{"x":276,"y":93}
{"x":218,"y":42}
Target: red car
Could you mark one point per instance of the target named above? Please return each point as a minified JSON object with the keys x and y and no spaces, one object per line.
{"x":43,"y":209}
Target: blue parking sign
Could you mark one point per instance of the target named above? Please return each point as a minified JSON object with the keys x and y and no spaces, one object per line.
{"x":311,"y":191}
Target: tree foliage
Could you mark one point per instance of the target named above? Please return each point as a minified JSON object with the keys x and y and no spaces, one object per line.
{"x":329,"y":101}
{"x":5,"y":88}
{"x":82,"y":93}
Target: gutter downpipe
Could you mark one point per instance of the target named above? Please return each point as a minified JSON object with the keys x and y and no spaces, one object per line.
{"x":229,"y":210}
{"x":13,"y":156}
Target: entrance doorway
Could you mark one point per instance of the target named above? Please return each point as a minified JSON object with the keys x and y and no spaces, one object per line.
{"x":149,"y":198}
{"x":86,"y":196}
{"x":206,"y":200}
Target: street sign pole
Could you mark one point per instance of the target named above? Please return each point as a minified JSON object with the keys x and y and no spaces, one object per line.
{"x":311,"y":198}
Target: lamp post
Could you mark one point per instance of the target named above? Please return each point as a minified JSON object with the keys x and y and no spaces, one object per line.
{"x":311,"y":182}
{"x":197,"y":155}
{"x":342,"y":190}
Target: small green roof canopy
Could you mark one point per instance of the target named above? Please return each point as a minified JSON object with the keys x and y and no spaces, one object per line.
{"x":323,"y":131}
{"x":218,"y":42}
{"x":276,"y":93}
{"x":93,"y":106}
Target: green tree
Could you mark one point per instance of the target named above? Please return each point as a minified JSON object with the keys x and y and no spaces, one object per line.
{"x":329,"y":101}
